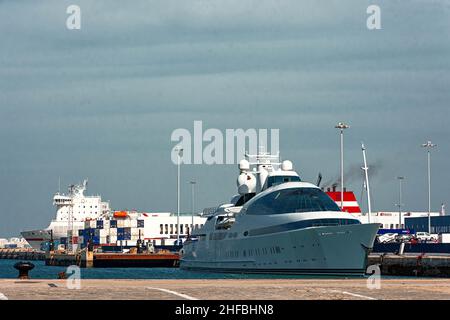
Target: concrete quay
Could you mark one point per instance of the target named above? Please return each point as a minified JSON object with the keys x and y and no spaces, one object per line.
{"x":412,"y":265}
{"x":234,"y":289}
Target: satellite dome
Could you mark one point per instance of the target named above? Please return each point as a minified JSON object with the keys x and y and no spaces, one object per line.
{"x":287,"y":165}
{"x":244,"y":165}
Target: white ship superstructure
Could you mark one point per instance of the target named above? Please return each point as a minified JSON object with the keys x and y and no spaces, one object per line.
{"x":71,"y":212}
{"x":279,"y":224}
{"x":76,"y":212}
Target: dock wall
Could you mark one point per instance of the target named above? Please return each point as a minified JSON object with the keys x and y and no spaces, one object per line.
{"x":21,"y":254}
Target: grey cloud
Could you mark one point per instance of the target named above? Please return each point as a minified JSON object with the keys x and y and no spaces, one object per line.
{"x":102,"y":102}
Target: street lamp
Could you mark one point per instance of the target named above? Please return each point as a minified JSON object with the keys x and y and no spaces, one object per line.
{"x":342,"y":126}
{"x":193,"y":183}
{"x":400,"y":204}
{"x":179,"y":151}
{"x":429,"y":146}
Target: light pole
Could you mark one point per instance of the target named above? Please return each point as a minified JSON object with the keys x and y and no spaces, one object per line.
{"x":193,"y":183}
{"x":429,"y":146}
{"x":400,"y":203}
{"x":342,"y":126}
{"x":179,"y":151}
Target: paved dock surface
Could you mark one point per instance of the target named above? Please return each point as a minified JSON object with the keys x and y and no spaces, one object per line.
{"x":255,"y":289}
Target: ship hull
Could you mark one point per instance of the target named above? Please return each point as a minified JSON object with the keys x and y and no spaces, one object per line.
{"x":35,"y":238}
{"x":331,"y":250}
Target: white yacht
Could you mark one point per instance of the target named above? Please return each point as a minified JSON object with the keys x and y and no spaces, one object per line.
{"x":279,"y":225}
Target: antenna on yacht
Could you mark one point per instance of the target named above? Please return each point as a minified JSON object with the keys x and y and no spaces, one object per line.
{"x":319,"y":179}
{"x":366,"y":171}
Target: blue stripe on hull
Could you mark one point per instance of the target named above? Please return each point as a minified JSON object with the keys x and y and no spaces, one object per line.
{"x":303,"y":224}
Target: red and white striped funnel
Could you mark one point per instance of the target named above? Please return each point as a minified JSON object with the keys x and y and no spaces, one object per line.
{"x":350,"y":203}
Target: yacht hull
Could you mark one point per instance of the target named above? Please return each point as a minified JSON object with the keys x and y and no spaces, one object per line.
{"x":328,"y":250}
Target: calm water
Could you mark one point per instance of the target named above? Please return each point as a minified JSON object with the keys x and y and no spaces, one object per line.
{"x":43,"y":272}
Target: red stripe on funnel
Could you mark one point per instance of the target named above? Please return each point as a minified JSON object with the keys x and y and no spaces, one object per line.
{"x":336,"y":196}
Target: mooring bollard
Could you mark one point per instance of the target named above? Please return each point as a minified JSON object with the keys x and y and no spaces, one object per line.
{"x":24,"y":268}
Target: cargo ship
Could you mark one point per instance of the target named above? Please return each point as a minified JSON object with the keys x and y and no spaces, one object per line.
{"x":72,"y":210}
{"x":80,"y":218}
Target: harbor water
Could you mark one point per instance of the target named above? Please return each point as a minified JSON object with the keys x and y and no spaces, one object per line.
{"x":41,"y":271}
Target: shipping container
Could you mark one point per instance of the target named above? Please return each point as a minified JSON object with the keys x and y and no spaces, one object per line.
{"x":444,"y":238}
{"x":113,"y":223}
{"x":99,"y":224}
{"x":101,"y":232}
{"x":96,"y":240}
{"x":91,"y":232}
{"x":135,"y":232}
{"x":439,"y":224}
{"x":123,"y":223}
{"x":123,"y":234}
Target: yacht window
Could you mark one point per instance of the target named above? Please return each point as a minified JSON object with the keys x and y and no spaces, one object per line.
{"x":291,"y":201}
{"x":276,"y":180}
{"x":244,"y":199}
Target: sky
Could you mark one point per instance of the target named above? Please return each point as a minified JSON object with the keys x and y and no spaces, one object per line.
{"x":102,"y":102}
